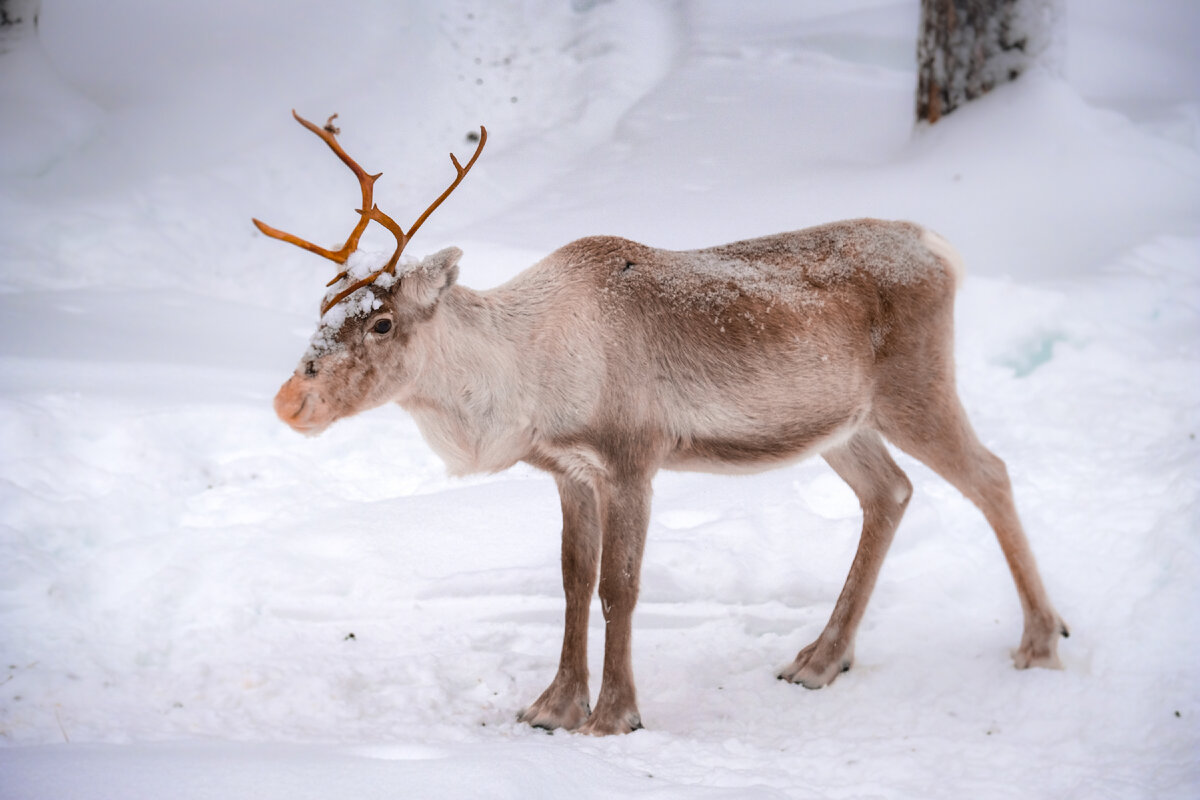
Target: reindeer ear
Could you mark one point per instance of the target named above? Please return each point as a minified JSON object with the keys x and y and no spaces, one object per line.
{"x":424,"y":283}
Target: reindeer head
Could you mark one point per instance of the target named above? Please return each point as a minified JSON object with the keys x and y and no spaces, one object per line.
{"x":359,"y":357}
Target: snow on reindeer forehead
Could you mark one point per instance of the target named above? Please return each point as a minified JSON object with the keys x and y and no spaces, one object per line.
{"x":359,"y":303}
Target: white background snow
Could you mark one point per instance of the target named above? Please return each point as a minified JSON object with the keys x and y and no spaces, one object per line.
{"x":196,"y":602}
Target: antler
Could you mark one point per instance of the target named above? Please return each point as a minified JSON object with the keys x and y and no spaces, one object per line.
{"x":366,"y":182}
{"x":369,"y":211}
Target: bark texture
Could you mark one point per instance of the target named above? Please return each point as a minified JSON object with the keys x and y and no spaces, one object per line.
{"x":968,"y":47}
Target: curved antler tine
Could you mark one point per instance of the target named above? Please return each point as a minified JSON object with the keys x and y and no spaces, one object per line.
{"x":275,"y":233}
{"x":401,"y":240}
{"x":349,"y":290}
{"x":366,"y":183}
{"x":401,"y":237}
{"x":462,"y":172}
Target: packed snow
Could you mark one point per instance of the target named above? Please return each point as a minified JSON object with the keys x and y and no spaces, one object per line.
{"x":196,"y":602}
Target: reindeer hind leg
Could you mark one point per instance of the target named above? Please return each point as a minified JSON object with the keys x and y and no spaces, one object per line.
{"x":934,"y":429}
{"x":883,"y":491}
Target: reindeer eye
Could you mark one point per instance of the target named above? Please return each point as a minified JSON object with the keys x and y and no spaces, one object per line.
{"x":382,"y":326}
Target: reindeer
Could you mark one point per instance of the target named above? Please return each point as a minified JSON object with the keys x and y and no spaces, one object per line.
{"x":609,"y":360}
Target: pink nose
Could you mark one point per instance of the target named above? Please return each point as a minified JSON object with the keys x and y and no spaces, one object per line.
{"x":299,"y":407}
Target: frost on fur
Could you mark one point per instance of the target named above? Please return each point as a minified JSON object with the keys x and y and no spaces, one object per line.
{"x":357,"y":305}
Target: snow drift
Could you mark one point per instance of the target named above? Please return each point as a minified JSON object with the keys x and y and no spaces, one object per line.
{"x":195,"y":601}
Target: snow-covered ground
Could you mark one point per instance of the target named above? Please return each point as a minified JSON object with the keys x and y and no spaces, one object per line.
{"x":196,"y":602}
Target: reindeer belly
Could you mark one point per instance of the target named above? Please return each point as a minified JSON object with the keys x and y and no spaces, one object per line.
{"x":781,"y":418}
{"x":765,"y":447}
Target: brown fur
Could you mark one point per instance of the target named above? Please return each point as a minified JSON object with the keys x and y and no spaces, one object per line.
{"x":610,"y":360}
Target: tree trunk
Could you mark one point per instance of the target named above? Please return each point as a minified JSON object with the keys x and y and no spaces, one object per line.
{"x":967,"y":47}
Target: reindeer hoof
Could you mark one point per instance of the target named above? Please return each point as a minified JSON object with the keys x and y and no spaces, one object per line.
{"x":608,"y":724}
{"x":557,"y":709}
{"x":816,"y":667}
{"x":550,"y":721}
{"x":1039,"y":643}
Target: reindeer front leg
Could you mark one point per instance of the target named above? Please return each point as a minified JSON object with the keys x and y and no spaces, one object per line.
{"x":564,"y":704}
{"x":624,"y":516}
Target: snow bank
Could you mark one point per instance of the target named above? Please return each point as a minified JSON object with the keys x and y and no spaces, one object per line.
{"x":206,"y":605}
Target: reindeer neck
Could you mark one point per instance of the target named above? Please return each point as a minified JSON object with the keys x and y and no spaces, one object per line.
{"x":468,"y":398}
